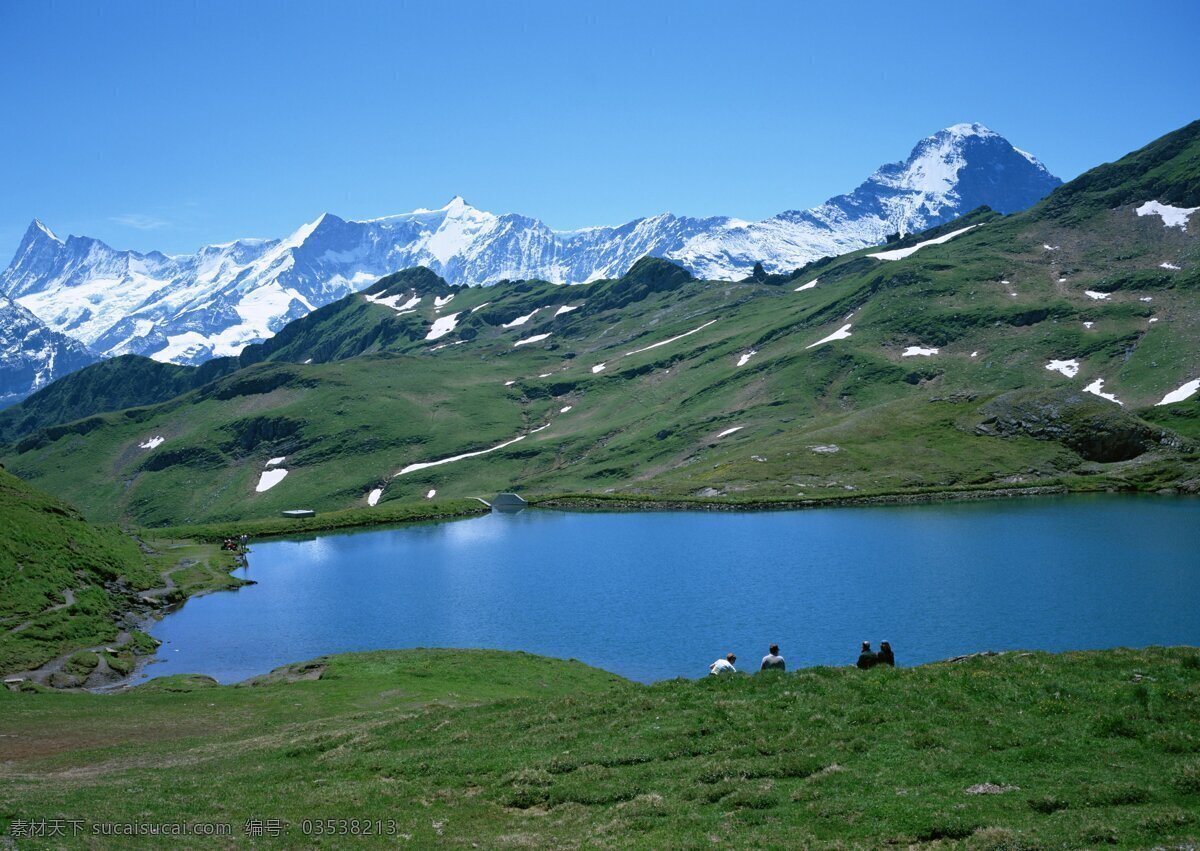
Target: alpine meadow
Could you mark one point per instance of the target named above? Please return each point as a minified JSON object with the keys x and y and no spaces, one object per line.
{"x":422,"y":529}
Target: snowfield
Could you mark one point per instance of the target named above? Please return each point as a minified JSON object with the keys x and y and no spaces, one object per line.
{"x":269,"y":479}
{"x":1097,"y":388}
{"x":442,"y":326}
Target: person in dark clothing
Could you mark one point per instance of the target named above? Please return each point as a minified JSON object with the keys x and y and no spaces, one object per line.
{"x":867,"y":659}
{"x":885,"y":655}
{"x":773,"y":661}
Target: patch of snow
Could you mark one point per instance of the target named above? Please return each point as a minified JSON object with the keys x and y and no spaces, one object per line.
{"x":744,"y":359}
{"x":840,"y":334}
{"x":275,"y":462}
{"x":671,"y":340}
{"x":431,"y":493}
{"x":412,"y":468}
{"x":480,"y":307}
{"x":1097,"y":296}
{"x":1088,"y":324}
{"x":1062,"y":280}
{"x":521,"y":320}
{"x":923,"y":351}
{"x":536,"y":338}
{"x":729,"y":431}
{"x":1170,"y":266}
{"x":901,"y":253}
{"x":373,"y":496}
{"x":1069,"y":368}
{"x":1005,"y":282}
{"x":565,"y":408}
{"x":826,"y":448}
{"x":598,"y":368}
{"x":441,"y":346}
{"x":974,"y":354}
{"x":1049,"y":247}
{"x":442,"y":326}
{"x":1172,"y":217}
{"x":1146,"y":298}
{"x":1097,"y":388}
{"x":1153,"y":320}
{"x":393,"y":301}
{"x":546,"y":375}
{"x":567,"y":308}
{"x":269,"y":479}
{"x":439,"y":302}
{"x":1185,"y":391}
{"x":152,"y":443}
{"x":807,"y":286}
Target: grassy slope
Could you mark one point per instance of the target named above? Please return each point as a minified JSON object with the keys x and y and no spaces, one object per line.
{"x":47,"y":549}
{"x":996,"y":303}
{"x":466,"y":747}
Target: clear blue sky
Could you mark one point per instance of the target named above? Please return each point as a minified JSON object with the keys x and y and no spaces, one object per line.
{"x":173,"y":124}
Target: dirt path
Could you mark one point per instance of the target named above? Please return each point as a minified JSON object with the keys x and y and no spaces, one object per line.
{"x":68,"y":596}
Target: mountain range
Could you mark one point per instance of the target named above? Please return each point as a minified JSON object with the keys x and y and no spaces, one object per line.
{"x":1049,"y":348}
{"x":189,"y":308}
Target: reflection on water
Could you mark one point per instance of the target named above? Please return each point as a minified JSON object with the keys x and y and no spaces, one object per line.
{"x":657,"y":595}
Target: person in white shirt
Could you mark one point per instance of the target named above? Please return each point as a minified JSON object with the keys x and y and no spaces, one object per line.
{"x":723,"y":666}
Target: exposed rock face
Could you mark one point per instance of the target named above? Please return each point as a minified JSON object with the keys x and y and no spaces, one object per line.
{"x":1095,"y":429}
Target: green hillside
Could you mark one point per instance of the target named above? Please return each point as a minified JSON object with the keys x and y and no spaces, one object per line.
{"x":656,"y":386}
{"x":494,"y":750}
{"x":64,"y":583}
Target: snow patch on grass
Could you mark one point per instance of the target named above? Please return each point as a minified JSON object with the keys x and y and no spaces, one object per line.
{"x":744,"y":359}
{"x":373,"y":496}
{"x":536,"y":338}
{"x":914,"y":351}
{"x":671,"y":340}
{"x":840,"y":334}
{"x":442,"y":326}
{"x":598,"y":368}
{"x":153,"y":442}
{"x":901,"y":253}
{"x":730,"y":431}
{"x":1185,"y":391}
{"x":566,"y":308}
{"x":269,"y":479}
{"x":1069,"y":368}
{"x":1097,"y":388}
{"x":1097,"y":296}
{"x":1172,"y":217}
{"x":807,"y":286}
{"x":521,"y":320}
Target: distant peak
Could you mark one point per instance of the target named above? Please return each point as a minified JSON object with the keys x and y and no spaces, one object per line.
{"x":37,"y":230}
{"x":458,"y":202}
{"x":973,"y":129}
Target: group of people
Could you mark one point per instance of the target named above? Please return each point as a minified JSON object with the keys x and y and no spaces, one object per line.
{"x":868,"y":658}
{"x":774,"y":662}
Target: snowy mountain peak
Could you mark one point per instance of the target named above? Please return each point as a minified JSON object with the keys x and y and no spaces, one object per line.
{"x":188,"y":308}
{"x":39,"y":230}
{"x":963,"y":130}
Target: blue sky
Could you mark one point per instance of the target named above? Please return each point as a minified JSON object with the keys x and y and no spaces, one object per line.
{"x":173,"y":124}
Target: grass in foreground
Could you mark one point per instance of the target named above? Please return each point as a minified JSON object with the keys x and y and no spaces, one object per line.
{"x":500,"y":749}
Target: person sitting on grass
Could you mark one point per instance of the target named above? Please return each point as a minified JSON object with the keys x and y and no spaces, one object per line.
{"x":885,"y":656}
{"x":773,"y":661}
{"x":723,"y":666}
{"x":867,"y":659}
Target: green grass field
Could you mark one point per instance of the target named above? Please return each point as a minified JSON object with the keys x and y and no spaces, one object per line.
{"x":487,"y":749}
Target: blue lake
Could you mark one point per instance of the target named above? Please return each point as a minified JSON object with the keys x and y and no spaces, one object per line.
{"x":658,"y":595}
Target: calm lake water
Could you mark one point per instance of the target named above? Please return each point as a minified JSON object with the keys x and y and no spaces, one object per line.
{"x":658,"y":595}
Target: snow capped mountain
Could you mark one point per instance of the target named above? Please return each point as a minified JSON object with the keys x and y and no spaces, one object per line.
{"x":188,"y":308}
{"x":31,"y":355}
